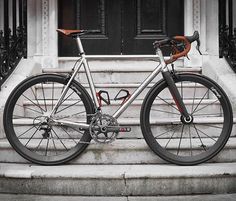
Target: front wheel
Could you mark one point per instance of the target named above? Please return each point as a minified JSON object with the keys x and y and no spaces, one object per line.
{"x":187,"y":142}
{"x":33,"y":133}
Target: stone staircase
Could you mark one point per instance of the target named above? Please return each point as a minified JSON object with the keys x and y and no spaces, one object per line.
{"x":127,"y":168}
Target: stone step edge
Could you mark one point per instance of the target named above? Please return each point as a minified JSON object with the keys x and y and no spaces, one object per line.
{"x":122,"y":85}
{"x":9,"y":170}
{"x":136,"y":121}
{"x":205,"y":197}
{"x":122,"y":144}
{"x":116,"y":180}
{"x":115,"y":57}
{"x":120,"y":69}
{"x":137,"y":102}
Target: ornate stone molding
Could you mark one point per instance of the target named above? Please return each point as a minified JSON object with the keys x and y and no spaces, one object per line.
{"x":45,"y":25}
{"x":196,"y":15}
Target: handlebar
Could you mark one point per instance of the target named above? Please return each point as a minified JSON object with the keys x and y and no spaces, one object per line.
{"x":184,"y":41}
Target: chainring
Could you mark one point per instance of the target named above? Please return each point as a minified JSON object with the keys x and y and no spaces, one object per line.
{"x":98,"y":128}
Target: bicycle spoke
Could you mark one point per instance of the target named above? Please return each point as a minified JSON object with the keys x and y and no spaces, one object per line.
{"x":29,"y":109}
{"x":204,"y":133}
{"x":52,"y":93}
{"x":69,"y":135}
{"x":66,"y":98}
{"x":170,"y":139}
{"x":194,"y":93}
{"x":38,"y":145}
{"x":34,"y":103}
{"x":26,"y":131}
{"x":209,"y":125}
{"x":54,"y":143}
{"x":46,"y":151}
{"x":42,"y":110}
{"x":203,"y":146}
{"x":165,"y":111}
{"x":208,"y":115}
{"x":190,"y":139}
{"x":68,"y":106}
{"x":205,"y":106}
{"x":31,"y":137}
{"x":77,"y":130}
{"x":45,"y":105}
{"x":22,"y":117}
{"x":70,"y":115}
{"x":200,"y":101}
{"x":168,"y":103}
{"x":60,"y":140}
{"x":168,"y":131}
{"x":180,"y":139}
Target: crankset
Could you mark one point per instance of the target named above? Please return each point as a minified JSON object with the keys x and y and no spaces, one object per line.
{"x":105,"y":128}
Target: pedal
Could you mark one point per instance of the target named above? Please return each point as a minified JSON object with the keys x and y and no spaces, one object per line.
{"x":125,"y":129}
{"x":103,"y":96}
{"x":123,"y":95}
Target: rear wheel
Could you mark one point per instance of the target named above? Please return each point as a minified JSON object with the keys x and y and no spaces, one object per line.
{"x":183,"y":142}
{"x":33,"y":134}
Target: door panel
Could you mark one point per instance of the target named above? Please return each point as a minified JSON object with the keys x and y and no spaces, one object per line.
{"x":149,"y":21}
{"x":101,"y":17}
{"x":119,"y":26}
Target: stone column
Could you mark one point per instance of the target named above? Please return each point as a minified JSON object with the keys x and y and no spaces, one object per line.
{"x":192,"y":22}
{"x":49,"y":34}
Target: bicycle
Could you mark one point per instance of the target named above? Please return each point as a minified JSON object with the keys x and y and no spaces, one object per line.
{"x":50,"y":119}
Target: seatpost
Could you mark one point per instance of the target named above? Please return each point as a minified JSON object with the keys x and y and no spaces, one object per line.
{"x":80,"y":46}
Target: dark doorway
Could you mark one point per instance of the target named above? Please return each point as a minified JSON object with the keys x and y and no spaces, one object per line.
{"x":119,"y":26}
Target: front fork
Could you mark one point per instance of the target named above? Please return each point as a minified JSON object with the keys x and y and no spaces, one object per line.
{"x":176,"y":95}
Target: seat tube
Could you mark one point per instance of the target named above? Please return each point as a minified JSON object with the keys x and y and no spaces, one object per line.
{"x":80,"y":46}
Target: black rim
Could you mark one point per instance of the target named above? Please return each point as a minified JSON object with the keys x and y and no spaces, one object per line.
{"x":188,"y":143}
{"x":41,"y":141}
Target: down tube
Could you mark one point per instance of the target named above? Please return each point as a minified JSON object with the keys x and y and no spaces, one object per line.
{"x":138,"y":91}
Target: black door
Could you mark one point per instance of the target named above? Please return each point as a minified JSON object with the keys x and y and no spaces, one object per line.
{"x":119,"y":26}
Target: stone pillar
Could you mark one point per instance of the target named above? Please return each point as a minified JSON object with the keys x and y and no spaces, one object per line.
{"x":42,"y":35}
{"x":49,"y":34}
{"x":192,"y":22}
{"x":212,"y":27}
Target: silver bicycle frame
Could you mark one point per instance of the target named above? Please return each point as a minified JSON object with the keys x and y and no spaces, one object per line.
{"x":123,"y":107}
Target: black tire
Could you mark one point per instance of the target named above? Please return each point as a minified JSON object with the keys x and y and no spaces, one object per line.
{"x":174,"y":140}
{"x":25,"y":116}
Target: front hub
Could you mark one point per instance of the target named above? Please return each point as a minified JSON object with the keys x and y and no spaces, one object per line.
{"x":186,"y":120}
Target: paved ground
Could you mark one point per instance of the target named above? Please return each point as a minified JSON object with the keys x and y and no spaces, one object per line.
{"x":222,"y":197}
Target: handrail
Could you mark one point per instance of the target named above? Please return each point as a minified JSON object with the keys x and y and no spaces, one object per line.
{"x":227,"y":33}
{"x":13,"y":40}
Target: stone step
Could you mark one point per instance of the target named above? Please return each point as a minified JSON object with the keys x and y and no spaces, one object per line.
{"x":202,"y":197}
{"x":115,"y":62}
{"x":118,"y":76}
{"x":118,"y":180}
{"x":159,"y":126}
{"x":162,"y":109}
{"x":123,"y":151}
{"x":113,"y":89}
{"x":117,"y":70}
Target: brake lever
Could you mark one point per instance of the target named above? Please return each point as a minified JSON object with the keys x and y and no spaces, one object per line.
{"x":198,"y":47}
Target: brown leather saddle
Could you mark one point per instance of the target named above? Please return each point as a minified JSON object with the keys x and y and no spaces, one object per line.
{"x":70,"y":32}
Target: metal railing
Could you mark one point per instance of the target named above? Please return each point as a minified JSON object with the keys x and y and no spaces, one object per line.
{"x":13,"y":36}
{"x":227,"y":32}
